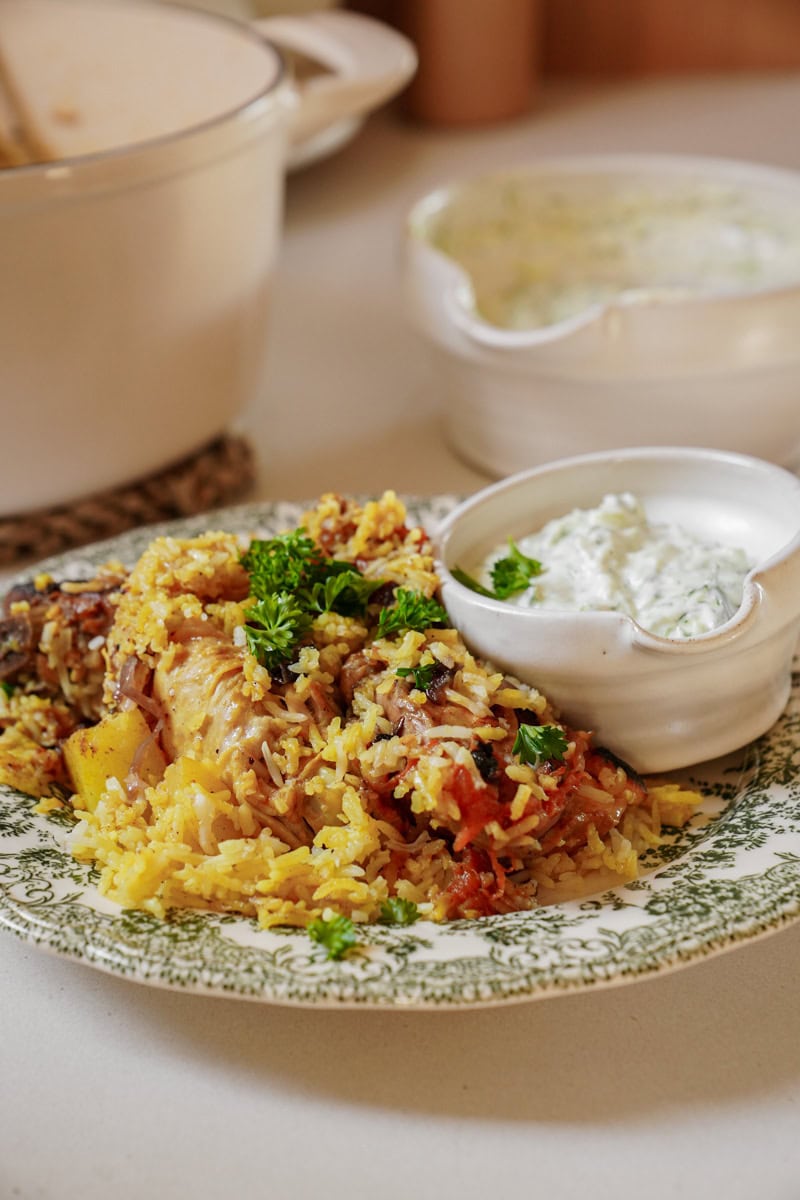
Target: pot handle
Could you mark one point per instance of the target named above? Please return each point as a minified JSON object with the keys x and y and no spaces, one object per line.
{"x":367,"y":63}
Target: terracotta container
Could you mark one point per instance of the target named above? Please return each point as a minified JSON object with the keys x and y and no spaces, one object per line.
{"x":478,"y":59}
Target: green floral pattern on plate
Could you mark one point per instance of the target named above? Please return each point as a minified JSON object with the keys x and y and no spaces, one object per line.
{"x":731,"y":875}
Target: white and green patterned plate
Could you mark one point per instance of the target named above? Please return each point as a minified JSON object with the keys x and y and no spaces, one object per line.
{"x":732,"y":875}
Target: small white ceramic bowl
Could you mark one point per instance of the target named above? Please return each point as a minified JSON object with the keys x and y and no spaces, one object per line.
{"x":659,"y":703}
{"x":588,"y":303}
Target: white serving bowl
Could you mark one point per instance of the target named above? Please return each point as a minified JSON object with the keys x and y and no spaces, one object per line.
{"x":659,"y":703}
{"x":139,"y":247}
{"x":588,"y":303}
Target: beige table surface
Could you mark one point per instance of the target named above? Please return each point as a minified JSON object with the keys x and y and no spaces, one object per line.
{"x":687,"y":1085}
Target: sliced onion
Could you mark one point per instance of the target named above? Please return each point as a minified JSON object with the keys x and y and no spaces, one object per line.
{"x":134,"y":784}
{"x":132,"y":679}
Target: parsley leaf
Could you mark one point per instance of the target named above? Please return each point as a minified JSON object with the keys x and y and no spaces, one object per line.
{"x":282,"y":564}
{"x":396,"y":911}
{"x":535,"y":744}
{"x":274,"y":627}
{"x":7,"y":687}
{"x":337,"y":934}
{"x":411,"y":610}
{"x":346,"y":592}
{"x":510,"y":575}
{"x":468,"y":581}
{"x":292,"y":580}
{"x":423,"y":676}
{"x":513,"y":573}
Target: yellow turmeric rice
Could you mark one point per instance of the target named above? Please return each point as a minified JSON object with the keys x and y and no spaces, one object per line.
{"x":289,"y":729}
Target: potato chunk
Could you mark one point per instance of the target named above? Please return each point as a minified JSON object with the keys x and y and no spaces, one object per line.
{"x":108,"y":750}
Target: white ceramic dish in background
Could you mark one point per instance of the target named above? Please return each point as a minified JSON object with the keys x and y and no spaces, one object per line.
{"x":659,"y":703}
{"x":686,"y":333}
{"x":138,"y":263}
{"x":364,"y":63}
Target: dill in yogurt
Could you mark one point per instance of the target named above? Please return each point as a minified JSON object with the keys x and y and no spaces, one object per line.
{"x":611,"y":558}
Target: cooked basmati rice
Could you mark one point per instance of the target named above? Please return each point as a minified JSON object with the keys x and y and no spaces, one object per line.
{"x":335,"y":782}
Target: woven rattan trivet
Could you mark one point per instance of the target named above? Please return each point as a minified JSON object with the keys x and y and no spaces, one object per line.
{"x":220,"y":474}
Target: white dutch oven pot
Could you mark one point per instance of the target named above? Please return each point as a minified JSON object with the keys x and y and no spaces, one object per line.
{"x":137,"y":264}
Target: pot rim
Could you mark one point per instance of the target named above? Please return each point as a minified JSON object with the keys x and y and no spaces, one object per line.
{"x":69,"y":167}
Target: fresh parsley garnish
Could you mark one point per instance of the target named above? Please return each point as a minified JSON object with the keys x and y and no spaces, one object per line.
{"x":347,"y":592}
{"x":469,"y":581}
{"x":292,"y":581}
{"x":423,"y":676}
{"x":7,"y":687}
{"x":535,"y":744}
{"x":337,"y":934}
{"x":293,"y":563}
{"x":283,"y":564}
{"x":396,"y":911}
{"x":512,"y":574}
{"x":274,"y":627}
{"x":411,"y":610}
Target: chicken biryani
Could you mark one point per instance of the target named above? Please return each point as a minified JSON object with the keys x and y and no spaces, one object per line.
{"x":290,"y":729}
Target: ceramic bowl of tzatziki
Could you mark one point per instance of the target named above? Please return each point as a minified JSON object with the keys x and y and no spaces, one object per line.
{"x":586,"y":303}
{"x":652,"y":594}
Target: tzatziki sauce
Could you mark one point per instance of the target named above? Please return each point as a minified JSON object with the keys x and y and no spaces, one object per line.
{"x":538,"y":253}
{"x":672,"y":582}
